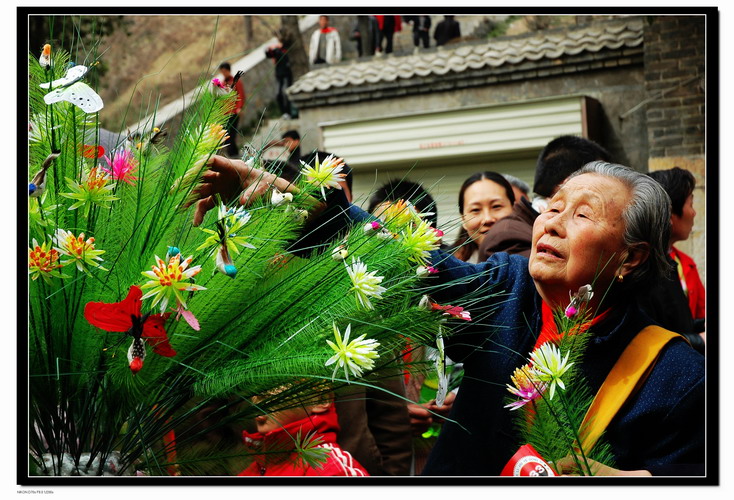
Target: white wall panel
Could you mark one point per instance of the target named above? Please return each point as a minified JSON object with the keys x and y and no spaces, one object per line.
{"x":504,"y":128}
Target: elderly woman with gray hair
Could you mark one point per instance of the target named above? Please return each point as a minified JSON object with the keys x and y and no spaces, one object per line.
{"x":607,"y":225}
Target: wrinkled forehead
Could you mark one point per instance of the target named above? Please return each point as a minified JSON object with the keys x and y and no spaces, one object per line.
{"x":593,"y":185}
{"x":608,"y":195}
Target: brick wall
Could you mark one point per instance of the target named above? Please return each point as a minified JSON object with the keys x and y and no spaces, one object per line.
{"x":674,"y":79}
{"x":674,"y":66}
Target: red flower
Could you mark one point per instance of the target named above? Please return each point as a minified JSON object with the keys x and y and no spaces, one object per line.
{"x":453,"y":311}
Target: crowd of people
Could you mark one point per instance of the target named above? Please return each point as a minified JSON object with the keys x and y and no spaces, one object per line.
{"x":325,"y":47}
{"x":521,"y":253}
{"x":537,"y":244}
{"x":537,"y":247}
{"x":382,"y":30}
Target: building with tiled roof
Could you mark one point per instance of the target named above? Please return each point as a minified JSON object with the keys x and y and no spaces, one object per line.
{"x":541,"y":54}
{"x":633,"y":84}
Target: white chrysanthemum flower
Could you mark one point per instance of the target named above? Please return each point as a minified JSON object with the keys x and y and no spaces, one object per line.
{"x":550,"y":365}
{"x":354,"y":356}
{"x":365,"y":283}
{"x":324,"y":174}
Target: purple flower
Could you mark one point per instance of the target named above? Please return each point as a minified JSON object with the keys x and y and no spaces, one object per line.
{"x":526,"y":386}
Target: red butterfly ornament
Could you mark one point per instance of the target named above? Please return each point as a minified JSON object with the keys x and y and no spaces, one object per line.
{"x":125,"y":317}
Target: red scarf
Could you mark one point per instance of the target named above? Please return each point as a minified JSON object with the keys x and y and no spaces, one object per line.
{"x":549,"y":331}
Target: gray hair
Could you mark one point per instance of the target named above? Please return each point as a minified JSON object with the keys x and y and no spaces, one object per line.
{"x":646,"y":218}
{"x":518,"y":183}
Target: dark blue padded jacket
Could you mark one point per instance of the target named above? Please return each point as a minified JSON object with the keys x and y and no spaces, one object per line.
{"x":662,"y":427}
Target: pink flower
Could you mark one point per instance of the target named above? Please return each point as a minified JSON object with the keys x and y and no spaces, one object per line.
{"x":426,"y":270}
{"x":218,"y":83}
{"x":372,"y":226}
{"x":571,"y":311}
{"x":526,"y":386}
{"x":438,"y":232}
{"x":122,"y":166}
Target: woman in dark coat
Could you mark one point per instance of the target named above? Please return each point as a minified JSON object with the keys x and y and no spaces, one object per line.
{"x":608,"y":225}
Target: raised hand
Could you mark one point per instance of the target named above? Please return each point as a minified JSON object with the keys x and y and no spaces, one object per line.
{"x":229,"y":178}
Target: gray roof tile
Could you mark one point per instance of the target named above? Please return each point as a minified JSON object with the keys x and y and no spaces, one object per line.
{"x":541,"y":45}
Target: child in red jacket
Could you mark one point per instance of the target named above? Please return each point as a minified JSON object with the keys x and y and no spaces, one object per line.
{"x":273,"y":443}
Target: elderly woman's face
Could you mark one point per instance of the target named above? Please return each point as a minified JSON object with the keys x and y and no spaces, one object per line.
{"x":577,"y":235}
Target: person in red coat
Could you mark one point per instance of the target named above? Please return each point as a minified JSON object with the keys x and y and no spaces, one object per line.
{"x":234,"y":114}
{"x":273,"y":443}
{"x":679,"y":185}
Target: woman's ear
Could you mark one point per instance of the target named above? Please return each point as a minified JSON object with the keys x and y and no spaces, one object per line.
{"x":636,"y":256}
{"x":322,"y":407}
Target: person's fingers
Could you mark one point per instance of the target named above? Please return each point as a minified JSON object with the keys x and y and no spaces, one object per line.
{"x":418,"y":411}
{"x":210,"y":176}
{"x":199,"y":192}
{"x":202,"y":207}
{"x":218,"y":163}
{"x":247,"y":196}
{"x":203,"y":190}
{"x":253,"y":192}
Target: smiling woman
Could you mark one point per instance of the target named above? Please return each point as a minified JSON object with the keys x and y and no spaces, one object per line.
{"x":484,"y":198}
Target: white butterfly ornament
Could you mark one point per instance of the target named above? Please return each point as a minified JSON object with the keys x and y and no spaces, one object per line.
{"x":70,"y":88}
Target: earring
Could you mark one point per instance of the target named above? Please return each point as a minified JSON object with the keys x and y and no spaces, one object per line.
{"x":620,"y":278}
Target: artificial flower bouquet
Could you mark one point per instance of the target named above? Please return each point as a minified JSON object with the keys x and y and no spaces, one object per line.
{"x":139,"y":323}
{"x":551,"y":400}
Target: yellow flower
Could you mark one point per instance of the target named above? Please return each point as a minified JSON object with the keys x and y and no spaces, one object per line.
{"x":399,"y":214}
{"x":324,"y":174}
{"x":93,"y":190}
{"x":80,"y":251}
{"x":526,"y":386}
{"x":419,"y":241}
{"x":44,"y":261}
{"x":168,"y":281}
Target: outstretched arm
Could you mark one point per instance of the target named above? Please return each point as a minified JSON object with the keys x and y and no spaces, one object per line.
{"x":228,"y":179}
